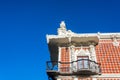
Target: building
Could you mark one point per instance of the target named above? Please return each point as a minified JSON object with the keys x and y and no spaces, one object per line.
{"x":92,"y":56}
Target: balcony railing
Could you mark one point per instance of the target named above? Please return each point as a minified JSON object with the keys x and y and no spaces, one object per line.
{"x":79,"y":67}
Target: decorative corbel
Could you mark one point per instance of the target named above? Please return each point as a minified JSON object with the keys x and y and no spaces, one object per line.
{"x":115,"y":42}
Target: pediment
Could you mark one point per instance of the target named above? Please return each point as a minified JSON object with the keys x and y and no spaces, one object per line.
{"x":82,"y":52}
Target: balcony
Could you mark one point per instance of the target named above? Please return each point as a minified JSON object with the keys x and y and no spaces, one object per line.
{"x":84,"y":67}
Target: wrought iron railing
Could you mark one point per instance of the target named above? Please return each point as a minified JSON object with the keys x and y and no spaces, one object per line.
{"x":82,"y":65}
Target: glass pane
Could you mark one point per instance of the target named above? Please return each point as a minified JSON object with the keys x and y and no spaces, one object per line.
{"x":80,"y":63}
{"x":85,"y":62}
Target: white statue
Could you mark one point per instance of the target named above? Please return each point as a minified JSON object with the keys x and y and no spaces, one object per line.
{"x":63,"y":31}
{"x":62,"y":25}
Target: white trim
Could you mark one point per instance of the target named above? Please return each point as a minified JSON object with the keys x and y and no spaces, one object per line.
{"x":108,"y":39}
{"x":92,"y":34}
{"x":75,"y":78}
{"x":59,"y":56}
{"x":65,"y":77}
{"x":94,"y":79}
{"x":101,"y":35}
{"x":82,"y":47}
{"x":106,"y":42}
{"x":58,"y":78}
{"x":108,"y":76}
{"x":93,"y":53}
{"x":59,"y":52}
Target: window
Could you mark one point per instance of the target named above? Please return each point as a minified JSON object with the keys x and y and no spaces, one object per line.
{"x":83,"y":62}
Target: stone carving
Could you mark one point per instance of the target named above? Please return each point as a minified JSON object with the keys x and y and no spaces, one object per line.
{"x":63,"y":31}
{"x":63,"y":25}
{"x":72,"y":53}
{"x":82,"y":52}
{"x":74,"y":67}
{"x":114,"y":37}
{"x":75,"y":53}
{"x":92,"y":53}
{"x":115,"y":42}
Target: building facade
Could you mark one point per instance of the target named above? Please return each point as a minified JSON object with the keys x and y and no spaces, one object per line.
{"x":92,"y":56}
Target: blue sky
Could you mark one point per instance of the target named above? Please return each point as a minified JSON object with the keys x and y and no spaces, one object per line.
{"x":25,"y":23}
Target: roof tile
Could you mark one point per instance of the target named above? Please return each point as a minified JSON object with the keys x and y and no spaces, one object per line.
{"x":109,"y":56}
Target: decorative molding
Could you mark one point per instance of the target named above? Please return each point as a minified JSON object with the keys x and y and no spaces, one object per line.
{"x":75,"y":78}
{"x":115,"y":42}
{"x":94,"y":79}
{"x":58,"y":78}
{"x":72,"y":52}
{"x":82,"y":52}
{"x":72,"y":34}
{"x":65,"y":77}
{"x":59,"y":56}
{"x":63,"y":31}
{"x":93,"y":53}
{"x":107,"y":76}
{"x":88,"y":52}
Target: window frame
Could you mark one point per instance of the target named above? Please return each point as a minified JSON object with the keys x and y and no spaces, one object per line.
{"x":84,"y":63}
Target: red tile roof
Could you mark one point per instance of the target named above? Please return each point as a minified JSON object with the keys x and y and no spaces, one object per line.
{"x":109,"y":56}
{"x":108,"y":79}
